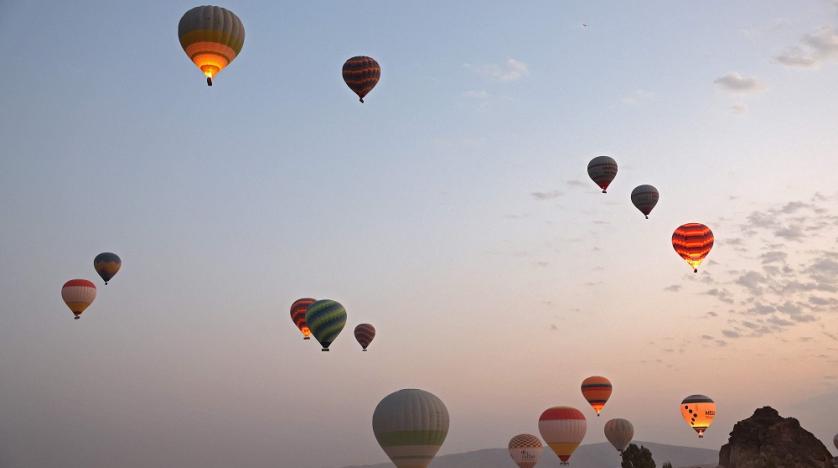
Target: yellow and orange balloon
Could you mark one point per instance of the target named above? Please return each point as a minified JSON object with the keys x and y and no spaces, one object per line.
{"x":698,"y":411}
{"x":693,"y":241}
{"x":212,"y":37}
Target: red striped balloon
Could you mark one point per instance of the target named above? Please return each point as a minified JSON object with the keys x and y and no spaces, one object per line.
{"x":78,"y":294}
{"x":562,"y":429}
{"x":693,"y":241}
{"x":602,"y":170}
{"x":361,"y":74}
{"x":364,"y":333}
{"x":597,"y":390}
{"x":298,"y":315}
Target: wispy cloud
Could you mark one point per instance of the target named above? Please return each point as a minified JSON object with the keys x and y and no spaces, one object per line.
{"x":738,"y":83}
{"x":813,"y":50}
{"x":637,"y":96}
{"x":476,"y":94}
{"x":552,"y":195}
{"x":509,"y":70}
{"x":793,"y":281}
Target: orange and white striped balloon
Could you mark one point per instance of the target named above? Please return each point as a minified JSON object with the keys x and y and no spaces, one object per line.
{"x":597,"y":390}
{"x":562,"y":428}
{"x":78,"y":294}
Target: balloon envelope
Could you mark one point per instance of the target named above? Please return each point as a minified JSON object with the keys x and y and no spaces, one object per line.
{"x":326,"y":319}
{"x":562,"y":428}
{"x":644,"y":198}
{"x":410,"y":426}
{"x":693,"y":241}
{"x":107,"y":264}
{"x":212,"y":37}
{"x":525,"y":450}
{"x":78,"y":294}
{"x":298,"y":315}
{"x":619,"y":432}
{"x":698,"y":411}
{"x":602,"y":170}
{"x":597,"y":390}
{"x":361,"y":74}
{"x":364,"y":333}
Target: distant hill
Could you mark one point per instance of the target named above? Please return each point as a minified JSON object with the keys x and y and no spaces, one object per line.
{"x":587,"y":456}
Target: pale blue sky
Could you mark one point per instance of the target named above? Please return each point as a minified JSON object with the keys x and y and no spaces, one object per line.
{"x":415,"y":210}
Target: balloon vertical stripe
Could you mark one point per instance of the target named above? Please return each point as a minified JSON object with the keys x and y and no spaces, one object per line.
{"x":619,"y":432}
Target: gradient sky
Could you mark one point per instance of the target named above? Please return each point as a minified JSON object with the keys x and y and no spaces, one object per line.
{"x":452,"y":210}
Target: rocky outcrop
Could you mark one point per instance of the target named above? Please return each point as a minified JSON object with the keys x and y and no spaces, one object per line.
{"x":768,"y":440}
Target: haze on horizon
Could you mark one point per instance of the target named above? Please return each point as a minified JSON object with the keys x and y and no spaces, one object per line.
{"x":452,"y":210}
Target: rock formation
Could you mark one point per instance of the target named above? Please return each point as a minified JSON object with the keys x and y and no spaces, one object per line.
{"x":767,"y":440}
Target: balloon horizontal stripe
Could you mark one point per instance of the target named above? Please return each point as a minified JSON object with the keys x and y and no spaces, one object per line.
{"x":692,"y":242}
{"x":562,"y":413}
{"x":80,"y":282}
{"x":388,"y":439}
{"x":697,"y":399}
{"x":220,"y":38}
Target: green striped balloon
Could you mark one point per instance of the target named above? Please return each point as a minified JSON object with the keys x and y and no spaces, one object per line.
{"x":326,"y":319}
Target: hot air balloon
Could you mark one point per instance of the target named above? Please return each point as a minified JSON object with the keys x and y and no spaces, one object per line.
{"x":361,"y":74}
{"x":597,"y":390}
{"x":212,"y":37}
{"x":325,"y":319}
{"x":107,"y":264}
{"x":78,"y":294}
{"x":619,"y":432}
{"x":410,"y":426}
{"x":602,"y":170}
{"x":525,"y":450}
{"x":364,"y":333}
{"x":298,"y":315}
{"x":562,"y":429}
{"x":644,"y":198}
{"x":698,"y":411}
{"x":693,"y":241}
